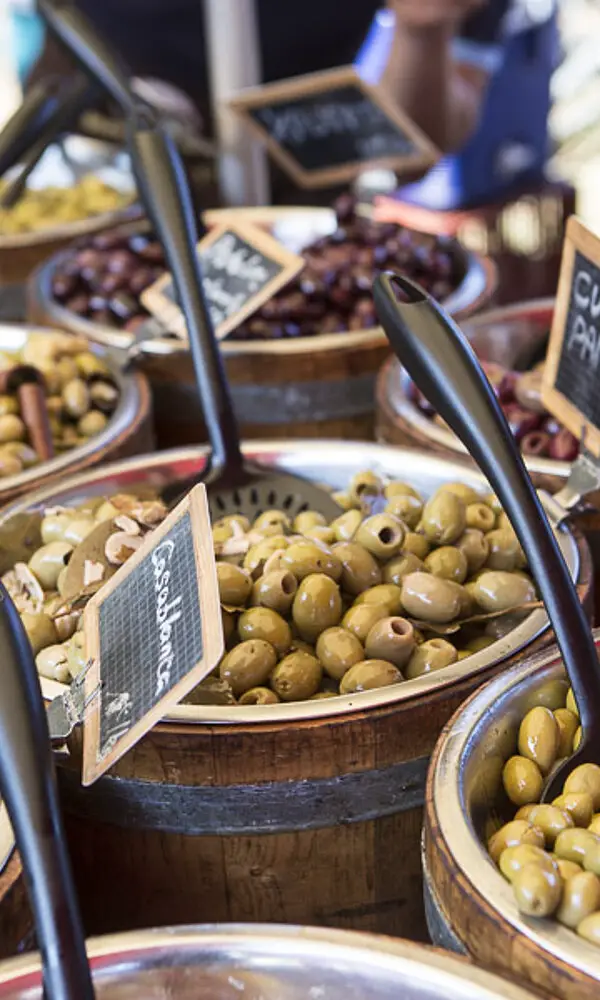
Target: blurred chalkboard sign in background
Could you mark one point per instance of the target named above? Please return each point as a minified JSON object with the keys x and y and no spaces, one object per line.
{"x":153,"y":632}
{"x":571,"y":388}
{"x":326,"y":128}
{"x":242,"y":267}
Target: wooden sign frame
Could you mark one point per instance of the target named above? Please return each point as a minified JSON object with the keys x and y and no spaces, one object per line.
{"x":169,"y":312}
{"x":577,"y":239}
{"x":212,"y":635}
{"x":313,"y":83}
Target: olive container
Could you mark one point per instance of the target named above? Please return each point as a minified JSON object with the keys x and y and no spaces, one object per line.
{"x":297,"y":813}
{"x":471,"y":907}
{"x":310,"y":386}
{"x":262,"y":962}
{"x":128,"y":431}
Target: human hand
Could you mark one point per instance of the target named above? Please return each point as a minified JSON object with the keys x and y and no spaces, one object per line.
{"x":419,"y":14}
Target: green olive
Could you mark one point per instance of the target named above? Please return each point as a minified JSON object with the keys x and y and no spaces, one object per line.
{"x":76,"y":398}
{"x":228,"y":622}
{"x":594,"y":825}
{"x":571,"y":704}
{"x":538,"y":738}
{"x":12,"y":428}
{"x":447,"y":562}
{"x":580,"y":898}
{"x":578,"y":805}
{"x":537,"y":890}
{"x":474,"y":546}
{"x":387,"y":595}
{"x":505,"y":551}
{"x":360,"y":619}
{"x":518,"y":831}
{"x":53,"y":527}
{"x":576,"y":845}
{"x":430,"y":598}
{"x":41,"y":630}
{"x":522,"y":780}
{"x":272,"y":522}
{"x":92,"y":423}
{"x":480,"y":516}
{"x":263,"y":623}
{"x":435,"y":654}
{"x":465,"y":493}
{"x":321,"y":695}
{"x":48,"y":561}
{"x":9,"y":465}
{"x":298,"y":676}
{"x":368,"y":675}
{"x":514,"y":858}
{"x":402,"y":565}
{"x":232,"y":521}
{"x":23,"y":452}
{"x":317,"y":606}
{"x":77,"y":529}
{"x":308,"y":519}
{"x":444,"y":518}
{"x":235,"y":584}
{"x":589,"y":928}
{"x":259,"y":696}
{"x":496,"y":590}
{"x":76,"y":654}
{"x":391,"y":639}
{"x":338,"y":650}
{"x":346,"y":525}
{"x":321,"y":533}
{"x":343,"y":500}
{"x":248,"y":665}
{"x":407,"y":508}
{"x":585,"y":778}
{"x":478,"y":643}
{"x":416,"y":543}
{"x":566,"y":869}
{"x":492,"y":501}
{"x":381,"y":535}
{"x":275,"y":590}
{"x":398,"y":488}
{"x":551,"y":820}
{"x":364,"y":485}
{"x":359,"y":569}
{"x":8,"y":406}
{"x":51,"y":662}
{"x":567,"y":727}
{"x":257,"y":555}
{"x":304,"y":558}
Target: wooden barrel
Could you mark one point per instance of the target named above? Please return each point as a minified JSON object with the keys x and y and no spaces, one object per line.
{"x":307,"y":813}
{"x":16,"y":923}
{"x":471,"y":908}
{"x":321,"y":386}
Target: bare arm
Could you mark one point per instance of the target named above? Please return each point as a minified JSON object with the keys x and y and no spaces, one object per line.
{"x":421,"y":76}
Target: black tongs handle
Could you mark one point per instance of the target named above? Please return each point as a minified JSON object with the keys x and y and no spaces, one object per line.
{"x":439,"y":358}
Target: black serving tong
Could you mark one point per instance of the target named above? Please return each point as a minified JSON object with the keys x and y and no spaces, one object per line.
{"x":234,"y":484}
{"x":28,"y":786}
{"x":443,"y":365}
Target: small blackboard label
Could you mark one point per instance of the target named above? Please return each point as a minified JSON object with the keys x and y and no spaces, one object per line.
{"x":242,"y":267}
{"x":152,"y":633}
{"x":571,"y":386}
{"x":325,"y":128}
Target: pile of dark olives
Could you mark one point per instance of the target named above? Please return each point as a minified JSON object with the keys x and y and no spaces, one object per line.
{"x":104,"y":276}
{"x":309,"y":609}
{"x":550,"y":852}
{"x":538,"y":433}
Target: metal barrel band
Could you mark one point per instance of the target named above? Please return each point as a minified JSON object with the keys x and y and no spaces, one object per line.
{"x":272,"y":807}
{"x":438,"y":924}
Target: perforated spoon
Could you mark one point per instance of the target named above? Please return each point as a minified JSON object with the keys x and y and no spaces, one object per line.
{"x":28,"y":787}
{"x":443,"y":365}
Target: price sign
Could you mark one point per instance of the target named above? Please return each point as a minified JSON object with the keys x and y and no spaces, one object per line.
{"x":152,"y":633}
{"x":571,"y":383}
{"x":242,"y":267}
{"x":326,"y":128}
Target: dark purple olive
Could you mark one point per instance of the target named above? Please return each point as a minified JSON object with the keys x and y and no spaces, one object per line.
{"x":124,"y":306}
{"x":141,"y":278}
{"x":521,"y":421}
{"x":551,"y":425}
{"x":564,"y":446}
{"x":536,"y":443}
{"x":152,"y":252}
{"x":506,"y":388}
{"x":103,"y":317}
{"x":111,"y":240}
{"x":108,"y":284}
{"x":63,"y":285}
{"x":121,"y":262}
{"x":78,"y":304}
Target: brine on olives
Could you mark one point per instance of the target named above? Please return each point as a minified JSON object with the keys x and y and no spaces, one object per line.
{"x":309,"y":610}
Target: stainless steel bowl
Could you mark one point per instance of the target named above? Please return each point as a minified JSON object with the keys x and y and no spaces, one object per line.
{"x":332,"y":463}
{"x":509,"y":336}
{"x":295,"y":228}
{"x":261,"y":962}
{"x":465,"y":787}
{"x":13,"y":338}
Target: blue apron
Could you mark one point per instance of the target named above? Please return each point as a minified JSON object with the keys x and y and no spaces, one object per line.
{"x":509,"y":148}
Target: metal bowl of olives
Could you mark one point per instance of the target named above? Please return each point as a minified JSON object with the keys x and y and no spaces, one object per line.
{"x":334,"y":464}
{"x":511,"y":340}
{"x":95,"y":409}
{"x":486,"y":839}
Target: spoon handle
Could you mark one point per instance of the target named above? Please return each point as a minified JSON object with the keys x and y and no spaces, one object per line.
{"x":28,"y":787}
{"x":443,"y":365}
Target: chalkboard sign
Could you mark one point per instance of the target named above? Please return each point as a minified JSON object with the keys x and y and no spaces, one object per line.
{"x":152,"y":633}
{"x":571,"y":383}
{"x":242,"y":267}
{"x":326,"y":128}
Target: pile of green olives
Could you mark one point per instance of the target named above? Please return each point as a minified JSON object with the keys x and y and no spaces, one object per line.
{"x":550,"y":852}
{"x":310,"y":610}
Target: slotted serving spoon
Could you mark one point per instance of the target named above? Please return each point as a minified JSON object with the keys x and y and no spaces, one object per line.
{"x":234,"y":484}
{"x":443,"y":365}
{"x":28,"y":787}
